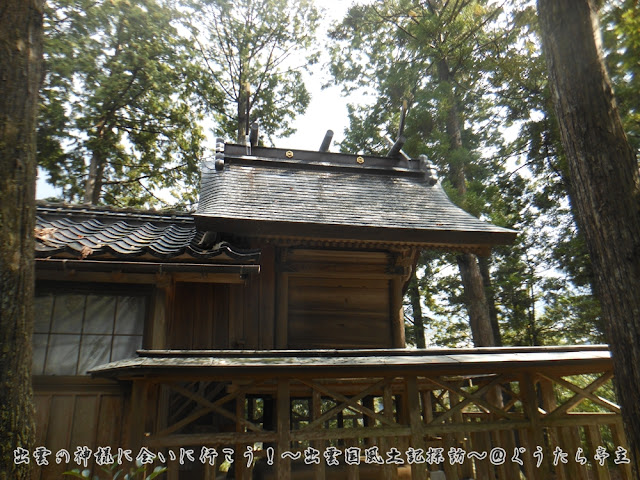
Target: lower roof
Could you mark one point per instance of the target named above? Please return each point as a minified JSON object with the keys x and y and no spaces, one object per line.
{"x":101,"y":233}
{"x":229,"y":363}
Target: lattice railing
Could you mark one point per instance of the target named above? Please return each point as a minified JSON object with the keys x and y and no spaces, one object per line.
{"x":493,"y":425}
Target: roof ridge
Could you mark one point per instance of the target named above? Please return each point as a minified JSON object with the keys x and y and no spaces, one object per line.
{"x":106,"y":211}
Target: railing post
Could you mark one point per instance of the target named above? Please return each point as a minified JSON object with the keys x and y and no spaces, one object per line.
{"x":316,"y":408}
{"x":418,"y":471}
{"x":283,"y":466}
{"x":535,"y":432}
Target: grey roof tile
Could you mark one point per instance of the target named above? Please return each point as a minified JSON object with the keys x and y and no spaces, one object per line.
{"x":335,"y":193}
{"x":95,"y":232}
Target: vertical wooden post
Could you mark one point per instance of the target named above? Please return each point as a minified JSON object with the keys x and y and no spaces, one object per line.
{"x":161,"y":312}
{"x":142,"y":414}
{"x":282,"y":312}
{"x":390,"y":471}
{"x":418,"y":471}
{"x":397,"y":312}
{"x":241,"y":470}
{"x":283,"y":466}
{"x":449,"y":440}
{"x":594,"y":440}
{"x":316,"y":412}
{"x":619,"y":440}
{"x":366,"y":421}
{"x":549,"y":404}
{"x":267,"y":297}
{"x":535,"y":432}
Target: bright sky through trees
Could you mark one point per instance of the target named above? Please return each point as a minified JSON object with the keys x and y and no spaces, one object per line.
{"x":327,"y":110}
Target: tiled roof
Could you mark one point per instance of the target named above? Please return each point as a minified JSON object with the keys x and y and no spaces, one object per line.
{"x":98,"y":232}
{"x":328,"y":194}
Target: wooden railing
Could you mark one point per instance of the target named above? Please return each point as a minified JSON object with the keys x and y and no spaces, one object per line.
{"x":519,"y":416}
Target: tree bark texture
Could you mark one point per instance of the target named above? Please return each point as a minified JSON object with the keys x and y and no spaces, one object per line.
{"x":483,"y":262}
{"x":413,"y":291}
{"x":605,"y":184}
{"x":476,"y":300}
{"x":20,"y":77}
{"x":472,"y":281}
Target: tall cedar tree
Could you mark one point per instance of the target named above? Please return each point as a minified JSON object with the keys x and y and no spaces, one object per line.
{"x":20,"y":64}
{"x":251,"y":53}
{"x":117,"y":122}
{"x":606,"y":185}
{"x":426,"y":54}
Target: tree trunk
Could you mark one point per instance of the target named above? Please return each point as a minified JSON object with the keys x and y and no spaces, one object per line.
{"x":605,"y":184}
{"x":413,"y":291}
{"x":489,"y":292}
{"x":476,"y":300}
{"x":93,"y":185}
{"x":243,"y":103}
{"x":474,"y":291}
{"x":20,"y":64}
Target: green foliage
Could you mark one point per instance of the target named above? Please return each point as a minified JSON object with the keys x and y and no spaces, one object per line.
{"x":253,"y":44}
{"x":621,"y":25}
{"x":483,"y":63}
{"x":112,"y":473}
{"x":117,"y":99}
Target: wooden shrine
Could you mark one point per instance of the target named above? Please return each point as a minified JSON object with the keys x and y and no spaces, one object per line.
{"x":265,"y":331}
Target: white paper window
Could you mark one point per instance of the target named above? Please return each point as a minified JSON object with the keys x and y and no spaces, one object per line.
{"x":75,"y":332}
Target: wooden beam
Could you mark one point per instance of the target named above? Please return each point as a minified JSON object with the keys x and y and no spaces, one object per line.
{"x":582,"y":394}
{"x":221,"y":438}
{"x":283,"y":407}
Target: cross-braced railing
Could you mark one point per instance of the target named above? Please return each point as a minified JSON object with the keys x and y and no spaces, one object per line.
{"x":496,"y":419}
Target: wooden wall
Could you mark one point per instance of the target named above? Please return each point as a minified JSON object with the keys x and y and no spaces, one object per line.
{"x":337,"y":299}
{"x":77,"y":411}
{"x":302,"y":298}
{"x":338,"y":313}
{"x":215,"y":316}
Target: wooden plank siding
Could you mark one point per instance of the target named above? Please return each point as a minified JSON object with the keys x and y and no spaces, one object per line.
{"x":73,"y":412}
{"x":338,"y":298}
{"x":338,"y":313}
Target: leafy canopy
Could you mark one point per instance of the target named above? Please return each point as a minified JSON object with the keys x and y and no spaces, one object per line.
{"x":254,"y":51}
{"x":118,"y":121}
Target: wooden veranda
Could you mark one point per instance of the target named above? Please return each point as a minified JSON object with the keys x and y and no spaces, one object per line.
{"x":506,"y":413}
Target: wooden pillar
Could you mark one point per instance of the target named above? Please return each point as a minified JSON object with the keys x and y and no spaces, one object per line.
{"x":320,"y":445}
{"x":594,"y":440}
{"x":418,"y":471}
{"x":368,"y":402}
{"x":241,"y":470}
{"x":282,"y":312}
{"x":535,"y":432}
{"x":619,"y":440}
{"x":283,"y":466}
{"x":267,"y":297}
{"x":142,"y":414}
{"x":549,"y":404}
{"x":162,"y":308}
{"x":390,"y":472}
{"x":397,"y":312}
